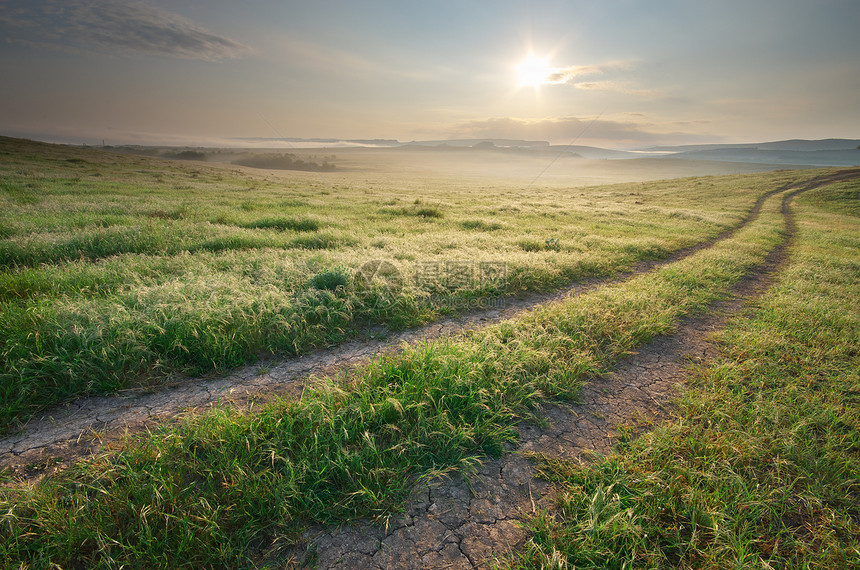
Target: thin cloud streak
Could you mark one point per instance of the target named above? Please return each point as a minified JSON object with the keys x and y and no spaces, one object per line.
{"x":77,"y":26}
{"x":613,"y":86}
{"x":559,"y":75}
{"x":569,"y":74}
{"x":573,"y":75}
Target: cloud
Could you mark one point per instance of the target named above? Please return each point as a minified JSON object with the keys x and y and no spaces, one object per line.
{"x":109,"y":25}
{"x":612,"y":86}
{"x":537,"y":74}
{"x":568,"y":130}
{"x":558,"y":75}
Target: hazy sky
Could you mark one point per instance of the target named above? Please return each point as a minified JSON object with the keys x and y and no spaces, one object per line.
{"x":621,"y":73}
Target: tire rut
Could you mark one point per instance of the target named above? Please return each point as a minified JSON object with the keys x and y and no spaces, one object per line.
{"x":99,"y":424}
{"x":462,"y":523}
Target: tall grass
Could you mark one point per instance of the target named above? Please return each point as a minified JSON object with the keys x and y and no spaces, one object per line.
{"x":760,"y":468}
{"x":195,"y":327}
{"x":228,"y":489}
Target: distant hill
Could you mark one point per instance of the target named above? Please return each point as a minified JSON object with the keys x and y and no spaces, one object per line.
{"x":791,"y":144}
{"x":597,"y":153}
{"x":826,"y":152}
{"x":805,"y":145}
{"x":527,"y":147}
{"x":503,"y":143}
{"x":787,"y":157}
{"x":320,"y":141}
{"x":792,"y":152}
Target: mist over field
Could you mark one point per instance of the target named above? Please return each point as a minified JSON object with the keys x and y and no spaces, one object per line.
{"x":521,"y":162}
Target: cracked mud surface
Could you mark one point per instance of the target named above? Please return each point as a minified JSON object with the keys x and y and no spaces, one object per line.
{"x":448,"y":523}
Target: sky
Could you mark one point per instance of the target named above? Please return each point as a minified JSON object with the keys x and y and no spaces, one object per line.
{"x":611,"y":73}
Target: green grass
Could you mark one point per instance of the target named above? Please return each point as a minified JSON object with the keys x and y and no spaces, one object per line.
{"x":760,"y":467}
{"x":480,"y":225}
{"x":225,"y":489}
{"x":121,"y":270}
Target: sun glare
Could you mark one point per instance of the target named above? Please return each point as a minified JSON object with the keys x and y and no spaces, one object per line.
{"x":533,"y":72}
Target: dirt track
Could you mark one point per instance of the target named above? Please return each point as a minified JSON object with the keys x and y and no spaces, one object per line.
{"x":448,"y":524}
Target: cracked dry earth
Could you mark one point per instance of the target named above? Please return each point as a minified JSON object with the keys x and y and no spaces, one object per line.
{"x":452,"y":522}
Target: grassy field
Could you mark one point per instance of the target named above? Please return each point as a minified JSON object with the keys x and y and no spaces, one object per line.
{"x":761,"y":468}
{"x":119,"y":271}
{"x":231,"y":489}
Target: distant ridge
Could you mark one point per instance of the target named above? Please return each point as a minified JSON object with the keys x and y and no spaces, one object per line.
{"x":504,"y":143}
{"x":801,"y":145}
{"x":785,"y":153}
{"x":362,"y":142}
{"x":795,"y":152}
{"x":598,"y":153}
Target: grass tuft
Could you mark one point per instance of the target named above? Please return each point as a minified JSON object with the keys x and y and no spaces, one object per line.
{"x":417,"y":211}
{"x":318,"y":241}
{"x":534,"y":245}
{"x":480,"y":225}
{"x":332,"y":280}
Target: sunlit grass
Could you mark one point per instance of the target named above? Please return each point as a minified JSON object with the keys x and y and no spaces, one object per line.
{"x":225,"y":488}
{"x":760,"y":468}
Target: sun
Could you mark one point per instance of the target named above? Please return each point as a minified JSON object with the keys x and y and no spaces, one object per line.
{"x":533,"y":72}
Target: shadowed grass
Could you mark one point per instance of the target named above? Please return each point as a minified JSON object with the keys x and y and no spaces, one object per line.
{"x":285,"y":224}
{"x":760,"y":468}
{"x":220,"y":488}
{"x":320,"y":241}
{"x":417,"y":211}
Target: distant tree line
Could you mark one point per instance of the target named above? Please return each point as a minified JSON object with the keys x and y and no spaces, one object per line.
{"x":158,"y":152}
{"x":285,"y":161}
{"x":186,"y":155}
